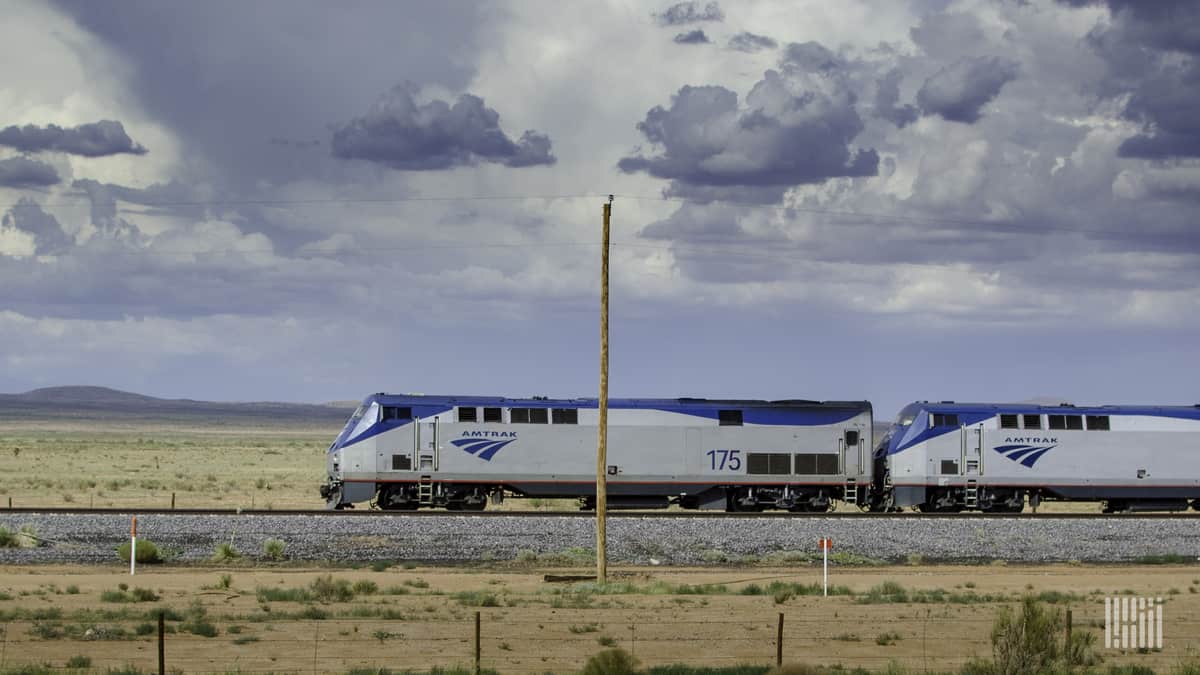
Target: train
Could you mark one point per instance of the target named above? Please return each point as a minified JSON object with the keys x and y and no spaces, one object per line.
{"x":406,"y":452}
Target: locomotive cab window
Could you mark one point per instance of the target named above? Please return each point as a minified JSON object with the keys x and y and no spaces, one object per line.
{"x":468,"y":415}
{"x":565,"y":416}
{"x":851,"y":438}
{"x":1097,"y":422}
{"x":730,"y":418}
{"x":493,"y":415}
{"x":944,"y":420}
{"x":1008,"y":422}
{"x":1032,"y":421}
{"x":391,"y":412}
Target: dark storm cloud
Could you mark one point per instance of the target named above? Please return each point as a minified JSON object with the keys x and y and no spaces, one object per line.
{"x":887,"y":95}
{"x":225,"y":76}
{"x":20,"y":172}
{"x":750,"y":42}
{"x":694,"y":37}
{"x":1153,"y":53}
{"x":98,"y":139}
{"x":959,"y":91}
{"x":402,"y":134}
{"x":690,"y":12}
{"x":48,"y":236}
{"x":796,"y":128}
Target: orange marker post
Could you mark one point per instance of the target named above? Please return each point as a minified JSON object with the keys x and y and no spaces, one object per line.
{"x":825,"y":544}
{"x":132,"y":546}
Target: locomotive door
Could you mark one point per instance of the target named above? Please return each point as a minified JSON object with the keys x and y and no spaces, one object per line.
{"x":972,"y":451}
{"x":427,"y":443}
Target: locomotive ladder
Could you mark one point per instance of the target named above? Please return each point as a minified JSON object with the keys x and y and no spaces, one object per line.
{"x":972,"y":494}
{"x":425,"y":491}
{"x":850,"y":494}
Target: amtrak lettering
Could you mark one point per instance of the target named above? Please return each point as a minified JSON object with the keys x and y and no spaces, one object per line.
{"x":1031,"y":440}
{"x":477,"y":443}
{"x":489,"y":434}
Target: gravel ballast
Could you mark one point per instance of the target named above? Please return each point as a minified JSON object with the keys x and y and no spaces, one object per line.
{"x":93,"y":538}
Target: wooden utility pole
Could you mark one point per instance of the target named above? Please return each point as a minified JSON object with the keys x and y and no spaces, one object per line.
{"x":602,"y":449}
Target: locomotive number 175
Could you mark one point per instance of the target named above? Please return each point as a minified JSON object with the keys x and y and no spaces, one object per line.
{"x":724,"y":460}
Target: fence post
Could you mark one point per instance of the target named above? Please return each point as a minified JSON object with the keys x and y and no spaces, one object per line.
{"x":172,"y":501}
{"x":162,"y":656}
{"x":476,"y":643}
{"x":779,"y":642}
{"x":1067,"y":644}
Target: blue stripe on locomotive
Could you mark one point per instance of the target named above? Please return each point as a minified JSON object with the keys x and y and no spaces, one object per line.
{"x":775,"y":413}
{"x":974,"y":413}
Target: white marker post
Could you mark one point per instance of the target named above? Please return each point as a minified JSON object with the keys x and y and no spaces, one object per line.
{"x":825,"y":544}
{"x":133,"y":546}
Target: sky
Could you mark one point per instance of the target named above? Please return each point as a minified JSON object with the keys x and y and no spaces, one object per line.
{"x":969,"y":200}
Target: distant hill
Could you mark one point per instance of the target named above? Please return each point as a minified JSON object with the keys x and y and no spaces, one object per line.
{"x":81,"y":403}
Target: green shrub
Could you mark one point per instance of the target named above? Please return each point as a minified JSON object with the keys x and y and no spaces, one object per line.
{"x":270,"y":594}
{"x":477,"y":599}
{"x":198,"y":625}
{"x":143,"y":595}
{"x":328,"y":589}
{"x":26,"y":537}
{"x":225,"y":552}
{"x":611,"y":662}
{"x":273,"y":549}
{"x":147,"y":552}
{"x":365,"y":587}
{"x":78,"y":662}
{"x":887,"y":639}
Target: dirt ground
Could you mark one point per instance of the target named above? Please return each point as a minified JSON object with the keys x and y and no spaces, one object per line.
{"x":418,"y":617}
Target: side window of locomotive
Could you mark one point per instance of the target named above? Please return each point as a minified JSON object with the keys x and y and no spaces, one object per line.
{"x":1074,"y":422}
{"x":468,"y":414}
{"x":816,"y":463}
{"x":1008,"y":422}
{"x":1032,"y":421}
{"x":493,"y":416}
{"x":565,"y":416}
{"x":1097,"y":422}
{"x":730,"y":418}
{"x":390,"y":412}
{"x":944,"y":420}
{"x":851,"y":438}
{"x":529,"y":416}
{"x":768,"y":462}
{"x":1068,"y":422}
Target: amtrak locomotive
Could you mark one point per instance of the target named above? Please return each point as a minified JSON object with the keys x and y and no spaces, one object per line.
{"x":992,"y":457}
{"x":460,"y":452}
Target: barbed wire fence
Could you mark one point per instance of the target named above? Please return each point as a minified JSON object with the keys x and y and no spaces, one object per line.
{"x":923,"y":638}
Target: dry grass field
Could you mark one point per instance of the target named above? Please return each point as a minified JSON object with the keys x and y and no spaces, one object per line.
{"x":259,"y":619}
{"x":94,"y":464}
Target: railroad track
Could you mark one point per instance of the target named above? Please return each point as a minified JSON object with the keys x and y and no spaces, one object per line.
{"x":359,"y":513}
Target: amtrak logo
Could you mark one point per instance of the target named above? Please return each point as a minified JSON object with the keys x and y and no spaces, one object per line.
{"x":1023,"y":452}
{"x":480,"y":443}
